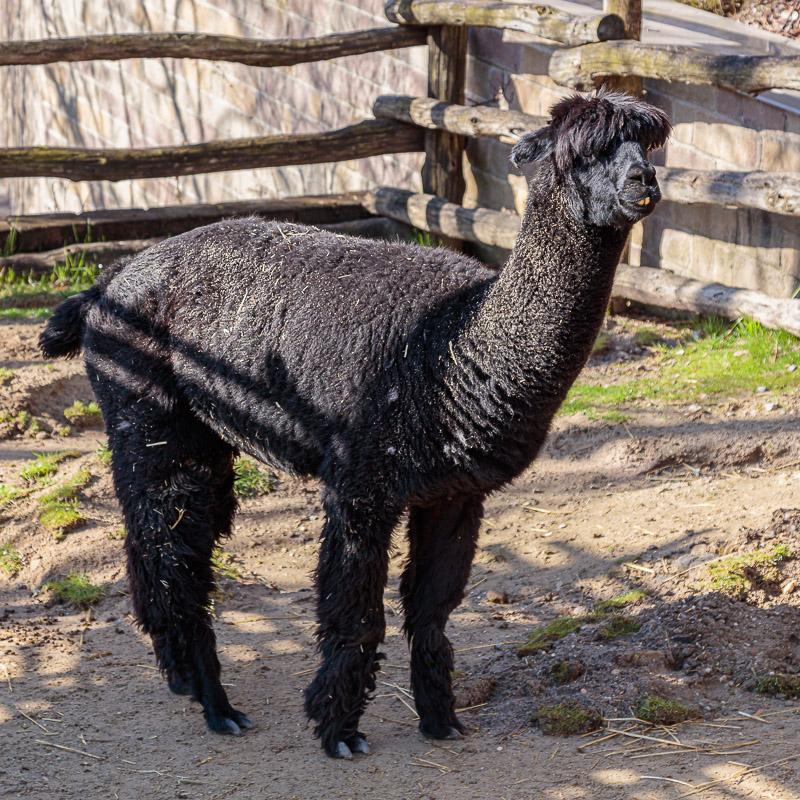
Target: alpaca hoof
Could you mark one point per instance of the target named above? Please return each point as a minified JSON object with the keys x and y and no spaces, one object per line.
{"x":234,"y":723}
{"x":360,"y":745}
{"x":437,"y":731}
{"x":343,"y":751}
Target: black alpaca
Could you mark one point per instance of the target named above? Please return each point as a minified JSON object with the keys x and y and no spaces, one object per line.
{"x":403,"y":377}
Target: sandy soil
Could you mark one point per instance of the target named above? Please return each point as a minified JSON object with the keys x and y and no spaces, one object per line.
{"x":84,"y":714}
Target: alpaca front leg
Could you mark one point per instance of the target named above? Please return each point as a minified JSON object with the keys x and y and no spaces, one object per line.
{"x":442,"y":540}
{"x":350,"y":580}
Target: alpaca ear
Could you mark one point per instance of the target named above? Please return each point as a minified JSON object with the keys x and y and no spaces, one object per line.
{"x":532,"y":147}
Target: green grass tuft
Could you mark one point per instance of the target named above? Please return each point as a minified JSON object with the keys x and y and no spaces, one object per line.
{"x":737,"y":574}
{"x":103,"y":454}
{"x":618,"y":625}
{"x":10,"y":560}
{"x":661,"y":711}
{"x":543,"y":636}
{"x":22,"y":422}
{"x":60,"y":517}
{"x":83,"y":415}
{"x":568,"y":719}
{"x":44,"y":466}
{"x":779,"y":684}
{"x":75,"y":589}
{"x":68,"y":490}
{"x":6,"y":375}
{"x":563,"y":672}
{"x":32,"y":314}
{"x":621,"y":600}
{"x":647,"y":337}
{"x":223,"y":566}
{"x":8,"y":494}
{"x":250,"y":480}
{"x":117,"y":534}
{"x":707,"y":368}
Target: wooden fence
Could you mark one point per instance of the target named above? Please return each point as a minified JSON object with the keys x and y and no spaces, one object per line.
{"x":596,"y":48}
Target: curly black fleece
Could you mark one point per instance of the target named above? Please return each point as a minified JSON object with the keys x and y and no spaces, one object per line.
{"x":403,"y":377}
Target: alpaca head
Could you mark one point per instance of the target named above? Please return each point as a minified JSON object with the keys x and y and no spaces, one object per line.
{"x":595,"y":147}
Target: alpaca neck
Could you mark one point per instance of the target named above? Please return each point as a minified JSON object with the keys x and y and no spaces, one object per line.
{"x":540,"y":319}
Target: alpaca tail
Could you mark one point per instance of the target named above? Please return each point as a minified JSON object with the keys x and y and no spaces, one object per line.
{"x":63,"y":334}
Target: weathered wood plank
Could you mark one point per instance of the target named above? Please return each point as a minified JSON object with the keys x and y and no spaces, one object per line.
{"x":95,"y":252}
{"x":539,"y":20}
{"x":108,"y":252}
{"x":362,"y":140}
{"x":582,"y":66}
{"x":778,"y":192}
{"x":495,"y":123}
{"x":47,"y":231}
{"x":655,"y":287}
{"x":660,"y":287}
{"x":209,"y":47}
{"x":436,"y":215}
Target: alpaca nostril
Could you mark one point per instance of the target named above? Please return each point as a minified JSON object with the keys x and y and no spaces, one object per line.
{"x":642,"y":173}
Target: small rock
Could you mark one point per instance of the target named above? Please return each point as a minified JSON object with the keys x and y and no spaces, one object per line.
{"x":42,"y":435}
{"x":791,"y":367}
{"x":761,"y":390}
{"x":693,"y":408}
{"x":501,"y":598}
{"x":770,"y":406}
{"x":790,"y":586}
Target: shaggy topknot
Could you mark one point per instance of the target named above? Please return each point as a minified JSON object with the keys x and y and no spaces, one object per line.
{"x":585,"y":125}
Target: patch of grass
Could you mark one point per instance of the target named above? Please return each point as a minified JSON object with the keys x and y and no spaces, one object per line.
{"x":60,"y":517}
{"x":618,"y":625}
{"x":621,"y":600}
{"x":83,"y":415}
{"x":779,"y":684}
{"x":563,"y":672}
{"x":6,"y":375}
{"x":21,"y":422}
{"x":68,"y":490}
{"x":707,"y":368}
{"x":542,"y":637}
{"x":646,"y":337}
{"x":250,"y":480}
{"x":425,"y":238}
{"x":75,"y":589}
{"x":103,"y":454}
{"x":44,"y":466}
{"x":10,"y":560}
{"x":15,"y":313}
{"x":662,"y":711}
{"x":8,"y":494}
{"x":74,"y":274}
{"x":223,"y":566}
{"x":568,"y":719}
{"x":117,"y":534}
{"x":601,"y":343}
{"x":737,"y":574}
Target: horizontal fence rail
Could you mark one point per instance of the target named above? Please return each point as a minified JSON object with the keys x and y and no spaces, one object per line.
{"x":657,"y":287}
{"x":583,"y":66}
{"x":208,"y":47}
{"x":41,"y":231}
{"x":362,"y":140}
{"x":777,"y":192}
{"x":496,"y":123}
{"x":539,"y":20}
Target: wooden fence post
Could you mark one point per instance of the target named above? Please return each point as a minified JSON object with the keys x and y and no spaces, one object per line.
{"x":443,"y":172}
{"x":630,"y":11}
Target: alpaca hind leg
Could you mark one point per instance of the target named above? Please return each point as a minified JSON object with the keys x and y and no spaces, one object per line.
{"x":442,"y":540}
{"x":174,"y":479}
{"x":350,"y":580}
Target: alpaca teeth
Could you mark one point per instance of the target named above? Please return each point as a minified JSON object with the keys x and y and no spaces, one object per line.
{"x":645,"y":201}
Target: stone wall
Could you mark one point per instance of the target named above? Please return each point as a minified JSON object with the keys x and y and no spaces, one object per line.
{"x":150,"y":102}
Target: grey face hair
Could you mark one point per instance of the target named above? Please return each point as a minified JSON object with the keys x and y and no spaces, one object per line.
{"x":596,"y":146}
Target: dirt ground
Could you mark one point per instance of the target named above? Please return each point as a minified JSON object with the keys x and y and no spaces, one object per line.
{"x":606,"y":509}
